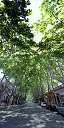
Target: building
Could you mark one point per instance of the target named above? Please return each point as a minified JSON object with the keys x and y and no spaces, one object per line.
{"x":6,"y":88}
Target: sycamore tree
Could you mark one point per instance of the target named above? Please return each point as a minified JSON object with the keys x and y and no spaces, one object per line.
{"x":15,"y":32}
{"x":51,"y":46}
{"x":16,"y":38}
{"x":14,"y":28}
{"x":35,"y":68}
{"x":51,"y":26}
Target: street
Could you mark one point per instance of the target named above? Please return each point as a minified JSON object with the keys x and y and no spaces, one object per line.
{"x":29,"y":115}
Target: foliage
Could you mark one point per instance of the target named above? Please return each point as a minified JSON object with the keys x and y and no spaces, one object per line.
{"x":36,"y":68}
{"x":14,"y":27}
{"x":51,"y":26}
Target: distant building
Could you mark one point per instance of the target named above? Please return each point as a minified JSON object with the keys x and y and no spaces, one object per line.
{"x":59,"y":89}
{"x":6,"y":88}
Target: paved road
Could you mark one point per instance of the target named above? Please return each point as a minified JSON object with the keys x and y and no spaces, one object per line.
{"x":30,"y":115}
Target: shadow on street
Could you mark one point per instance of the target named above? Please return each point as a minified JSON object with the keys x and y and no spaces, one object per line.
{"x":29,"y":115}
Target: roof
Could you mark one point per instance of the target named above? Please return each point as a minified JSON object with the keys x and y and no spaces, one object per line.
{"x":59,"y":87}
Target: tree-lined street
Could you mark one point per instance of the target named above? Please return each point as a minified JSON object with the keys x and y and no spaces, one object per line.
{"x":31,"y":69}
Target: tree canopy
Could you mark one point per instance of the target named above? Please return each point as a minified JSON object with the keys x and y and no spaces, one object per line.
{"x":14,"y":27}
{"x":35,"y":67}
{"x":51,"y":26}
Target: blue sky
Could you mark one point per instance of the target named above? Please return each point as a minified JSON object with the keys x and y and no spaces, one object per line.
{"x":1,"y":74}
{"x":35,"y":16}
{"x":35,"y":10}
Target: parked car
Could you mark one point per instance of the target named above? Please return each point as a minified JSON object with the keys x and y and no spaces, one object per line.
{"x":60,"y":108}
{"x":51,"y":106}
{"x":43,"y":104}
